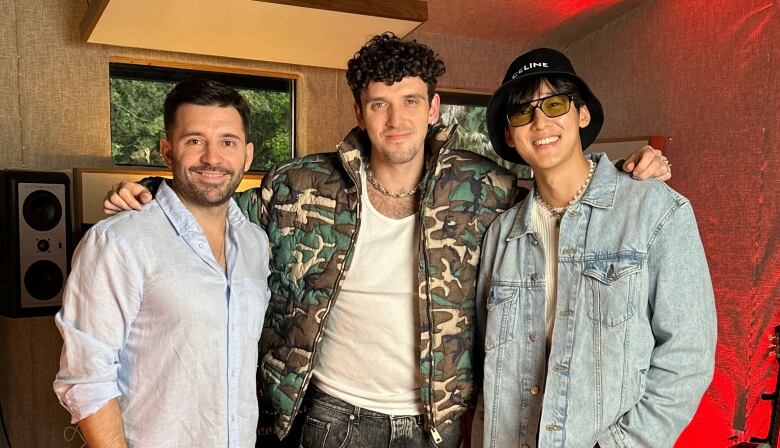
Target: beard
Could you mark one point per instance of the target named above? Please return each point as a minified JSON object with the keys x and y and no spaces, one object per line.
{"x":204,"y":194}
{"x":398,"y":157}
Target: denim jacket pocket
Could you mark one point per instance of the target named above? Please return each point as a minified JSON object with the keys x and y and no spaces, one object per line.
{"x":613,"y":283}
{"x":502,"y":311}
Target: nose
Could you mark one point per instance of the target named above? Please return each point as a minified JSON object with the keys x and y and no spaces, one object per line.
{"x":211,"y":153}
{"x":539,"y":119}
{"x":394,"y":116}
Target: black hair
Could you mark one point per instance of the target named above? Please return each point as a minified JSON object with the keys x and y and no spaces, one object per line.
{"x":387,"y":58}
{"x":526,"y":90}
{"x":204,"y":92}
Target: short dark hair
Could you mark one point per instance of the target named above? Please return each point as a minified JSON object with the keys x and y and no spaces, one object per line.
{"x":527,"y":89}
{"x":387,"y":58}
{"x":204,"y":92}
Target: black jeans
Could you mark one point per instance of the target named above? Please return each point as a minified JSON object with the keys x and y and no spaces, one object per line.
{"x":328,"y":422}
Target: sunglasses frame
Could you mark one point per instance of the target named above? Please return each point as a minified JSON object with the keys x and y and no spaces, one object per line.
{"x":572,"y":98}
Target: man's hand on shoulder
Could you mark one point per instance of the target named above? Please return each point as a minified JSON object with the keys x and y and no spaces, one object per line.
{"x":125,"y":196}
{"x":648,"y":162}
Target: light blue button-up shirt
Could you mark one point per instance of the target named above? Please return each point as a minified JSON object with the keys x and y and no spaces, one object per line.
{"x":149,"y":316}
{"x":634,"y":336}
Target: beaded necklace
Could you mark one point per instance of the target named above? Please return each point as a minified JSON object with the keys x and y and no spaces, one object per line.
{"x":558,"y":212}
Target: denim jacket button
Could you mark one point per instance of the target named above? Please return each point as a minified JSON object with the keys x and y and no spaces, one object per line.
{"x":535,"y":390}
{"x":569,"y":251}
{"x":534,"y":337}
{"x":525,"y":445}
{"x":559,"y":368}
{"x":565,"y":313}
{"x":535,"y":277}
{"x":574,"y":214}
{"x":552,"y":428}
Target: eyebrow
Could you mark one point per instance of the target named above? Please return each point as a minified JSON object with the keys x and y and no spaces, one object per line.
{"x":382,"y":98}
{"x":200,"y":134}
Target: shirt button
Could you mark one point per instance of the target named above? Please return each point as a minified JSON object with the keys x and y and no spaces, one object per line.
{"x":535,"y":277}
{"x":553,"y":428}
{"x":534,"y":337}
{"x":535,"y":390}
{"x":569,"y":251}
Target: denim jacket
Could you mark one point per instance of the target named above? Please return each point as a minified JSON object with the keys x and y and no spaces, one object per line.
{"x":634,"y":337}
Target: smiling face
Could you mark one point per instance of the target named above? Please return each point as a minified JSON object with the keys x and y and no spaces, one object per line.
{"x":208,"y":153}
{"x":396,"y":118}
{"x":548,"y":143}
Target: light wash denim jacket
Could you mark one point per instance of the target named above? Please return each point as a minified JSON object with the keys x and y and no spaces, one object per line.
{"x":634,"y":338}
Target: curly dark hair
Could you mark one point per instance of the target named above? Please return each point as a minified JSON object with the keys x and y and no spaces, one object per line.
{"x":387,"y":58}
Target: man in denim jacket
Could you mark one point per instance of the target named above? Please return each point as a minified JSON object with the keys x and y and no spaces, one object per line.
{"x":597,"y":314}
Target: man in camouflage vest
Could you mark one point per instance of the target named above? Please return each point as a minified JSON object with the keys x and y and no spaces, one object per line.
{"x":369,"y":336}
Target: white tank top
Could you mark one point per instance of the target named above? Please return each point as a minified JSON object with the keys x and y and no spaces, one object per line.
{"x":369,"y":354}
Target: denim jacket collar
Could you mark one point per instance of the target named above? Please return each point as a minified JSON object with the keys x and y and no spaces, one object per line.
{"x":599,"y":194}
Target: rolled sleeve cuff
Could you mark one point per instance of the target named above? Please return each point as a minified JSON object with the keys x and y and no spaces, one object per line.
{"x":83,"y":400}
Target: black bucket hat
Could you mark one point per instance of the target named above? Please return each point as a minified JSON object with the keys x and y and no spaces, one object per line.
{"x":542,"y":61}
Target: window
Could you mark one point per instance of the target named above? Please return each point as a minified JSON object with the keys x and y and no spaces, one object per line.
{"x":138,"y":93}
{"x":468,"y":111}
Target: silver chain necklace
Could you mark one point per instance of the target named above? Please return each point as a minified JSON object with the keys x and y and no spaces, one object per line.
{"x":381,"y":189}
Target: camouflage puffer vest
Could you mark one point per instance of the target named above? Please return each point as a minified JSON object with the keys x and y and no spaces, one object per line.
{"x":310,"y":208}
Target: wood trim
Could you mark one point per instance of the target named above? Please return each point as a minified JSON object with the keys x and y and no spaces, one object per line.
{"x":413,"y":10}
{"x":91,"y":17}
{"x":466,"y":90}
{"x":101,"y":180}
{"x":144,"y":171}
{"x":202,"y":67}
{"x":656,"y":141}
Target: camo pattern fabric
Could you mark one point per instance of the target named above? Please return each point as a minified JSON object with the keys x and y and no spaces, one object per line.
{"x":310,"y":209}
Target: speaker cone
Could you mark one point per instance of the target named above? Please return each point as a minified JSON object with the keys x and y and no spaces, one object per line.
{"x":44,"y":280}
{"x":42,"y":210}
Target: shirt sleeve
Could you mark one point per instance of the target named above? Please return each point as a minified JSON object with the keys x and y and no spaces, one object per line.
{"x":100,"y":302}
{"x":685,"y":328}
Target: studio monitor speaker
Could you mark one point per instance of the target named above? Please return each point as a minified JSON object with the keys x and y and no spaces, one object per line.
{"x":35,"y":241}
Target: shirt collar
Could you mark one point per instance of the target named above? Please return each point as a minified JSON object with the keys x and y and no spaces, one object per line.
{"x":181,"y":218}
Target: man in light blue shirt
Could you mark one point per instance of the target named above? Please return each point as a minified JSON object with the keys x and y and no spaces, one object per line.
{"x":163,"y":309}
{"x":594,"y":299}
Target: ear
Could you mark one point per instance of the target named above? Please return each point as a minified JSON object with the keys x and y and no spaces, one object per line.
{"x":250,"y":154}
{"x":166,"y":149}
{"x":359,"y":116}
{"x":508,"y":138}
{"x":584,"y":116}
{"x":433,"y":112}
